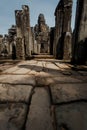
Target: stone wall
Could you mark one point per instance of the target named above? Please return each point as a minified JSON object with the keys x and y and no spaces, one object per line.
{"x":80,"y":33}
{"x":63,"y":33}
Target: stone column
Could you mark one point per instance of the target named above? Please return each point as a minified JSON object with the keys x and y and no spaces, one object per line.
{"x":20,"y":54}
{"x":62,"y":39}
{"x":67,"y":29}
{"x":20,"y":48}
{"x":27,"y":29}
{"x":1,"y":40}
{"x":80,"y":43}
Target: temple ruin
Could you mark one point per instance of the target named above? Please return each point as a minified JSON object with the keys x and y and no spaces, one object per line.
{"x":63,"y":33}
{"x":23,"y":40}
{"x":41,"y":31}
{"x":80,"y":34}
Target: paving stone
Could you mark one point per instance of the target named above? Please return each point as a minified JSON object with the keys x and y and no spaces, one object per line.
{"x":39,"y":117}
{"x":10,"y":70}
{"x":72,"y":116}
{"x":66,"y":79}
{"x":22,"y":71}
{"x":56,"y":79}
{"x":18,"y":79}
{"x":84,"y":73}
{"x":12,"y":116}
{"x":62,"y":65}
{"x":51,"y":66}
{"x":68,"y":92}
{"x":15,"y":93}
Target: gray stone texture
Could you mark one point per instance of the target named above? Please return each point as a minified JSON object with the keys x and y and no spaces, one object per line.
{"x":15,"y":93}
{"x":80,"y":33}
{"x":72,"y":116}
{"x":63,"y":93}
{"x":12,"y":116}
{"x":39,"y":117}
{"x":63,"y":36}
{"x":41,"y":31}
{"x":23,"y":33}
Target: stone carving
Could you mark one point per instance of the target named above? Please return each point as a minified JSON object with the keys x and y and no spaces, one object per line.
{"x":41,"y":31}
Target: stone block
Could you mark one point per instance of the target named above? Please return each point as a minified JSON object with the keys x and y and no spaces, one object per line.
{"x":39,"y":117}
{"x":63,"y":93}
{"x":72,"y":116}
{"x":12,"y":116}
{"x":15,"y":93}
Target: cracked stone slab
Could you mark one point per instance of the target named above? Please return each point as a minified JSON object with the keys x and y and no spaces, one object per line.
{"x":62,"y":65}
{"x":50,"y":65}
{"x":10,"y":70}
{"x":39,"y":117}
{"x":18,"y":79}
{"x":72,"y":116}
{"x":22,"y":71}
{"x":68,"y":92}
{"x":56,"y":79}
{"x":12,"y":116}
{"x":15,"y":93}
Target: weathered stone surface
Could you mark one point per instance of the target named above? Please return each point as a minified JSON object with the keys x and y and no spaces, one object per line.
{"x":72,"y":116}
{"x":68,"y":92}
{"x":39,"y":117}
{"x":15,"y":93}
{"x":18,"y":79}
{"x":10,"y":70}
{"x":62,"y":35}
{"x":24,"y":37}
{"x":50,"y":80}
{"x":12,"y":116}
{"x":80,"y":34}
{"x":41,"y":31}
{"x":1,"y":39}
{"x":22,"y":71}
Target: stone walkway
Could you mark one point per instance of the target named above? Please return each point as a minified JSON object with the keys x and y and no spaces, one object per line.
{"x":43,"y":94}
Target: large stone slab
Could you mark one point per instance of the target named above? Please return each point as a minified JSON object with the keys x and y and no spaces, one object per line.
{"x":72,"y":116}
{"x":12,"y":116}
{"x":62,"y":65}
{"x":11,"y":70}
{"x":15,"y":93}
{"x":22,"y":71}
{"x":50,"y":80}
{"x":68,"y":92}
{"x":39,"y":117}
{"x":18,"y":79}
{"x":50,"y":65}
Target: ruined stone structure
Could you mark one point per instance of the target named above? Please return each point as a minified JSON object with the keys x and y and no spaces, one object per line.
{"x":42,"y":35}
{"x":52,"y":29}
{"x":24,"y":40}
{"x":80,"y":33}
{"x":62,"y":40}
{"x":1,"y":38}
{"x":12,"y":41}
{"x":4,"y":46}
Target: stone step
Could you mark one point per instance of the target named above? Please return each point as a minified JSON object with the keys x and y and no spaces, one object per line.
{"x":45,"y":56}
